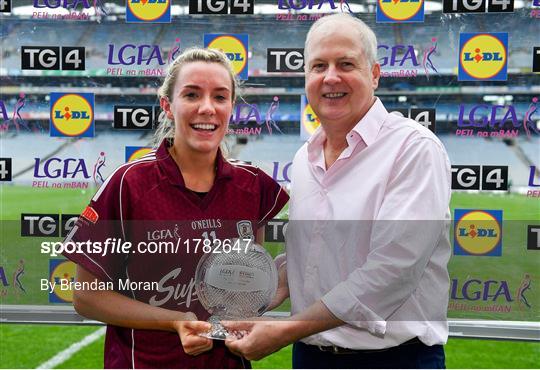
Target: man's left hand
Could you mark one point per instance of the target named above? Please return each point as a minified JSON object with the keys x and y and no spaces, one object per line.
{"x":262,"y":338}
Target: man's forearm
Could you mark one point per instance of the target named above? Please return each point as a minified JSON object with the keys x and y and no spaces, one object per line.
{"x":314,"y":319}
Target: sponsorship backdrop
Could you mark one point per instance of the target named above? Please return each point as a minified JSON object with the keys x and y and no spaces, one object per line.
{"x":78,"y":98}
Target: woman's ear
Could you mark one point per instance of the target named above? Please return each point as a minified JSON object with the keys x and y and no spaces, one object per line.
{"x":166,"y":106}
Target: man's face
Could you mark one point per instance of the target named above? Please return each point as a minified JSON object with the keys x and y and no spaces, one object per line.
{"x":339,"y":83}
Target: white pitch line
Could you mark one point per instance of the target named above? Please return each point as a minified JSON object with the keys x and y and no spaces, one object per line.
{"x":66,"y":354}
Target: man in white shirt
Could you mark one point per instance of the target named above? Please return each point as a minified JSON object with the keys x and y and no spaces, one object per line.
{"x":367,"y":244}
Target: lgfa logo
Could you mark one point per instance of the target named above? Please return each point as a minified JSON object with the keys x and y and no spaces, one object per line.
{"x":478,"y":232}
{"x":310,"y":121}
{"x":136,"y":152}
{"x":400,"y":11}
{"x":61,"y":271}
{"x":235,"y":46}
{"x":72,"y":115}
{"x":483,"y":56}
{"x":150,"y":11}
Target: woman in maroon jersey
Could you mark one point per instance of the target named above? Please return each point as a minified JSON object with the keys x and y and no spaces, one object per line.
{"x":182,"y":192}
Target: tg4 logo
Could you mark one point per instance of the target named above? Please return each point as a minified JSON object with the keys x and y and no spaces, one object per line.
{"x":466,"y":177}
{"x":478,"y":6}
{"x":5,"y":6}
{"x":220,"y":6}
{"x":53,"y":58}
{"x":5,"y":169}
{"x":424,"y":116}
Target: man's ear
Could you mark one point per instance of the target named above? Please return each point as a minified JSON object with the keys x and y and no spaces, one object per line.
{"x":166,"y":106}
{"x":375,"y":75}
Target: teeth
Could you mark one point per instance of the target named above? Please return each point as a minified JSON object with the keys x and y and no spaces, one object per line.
{"x":204,"y":126}
{"x":334,"y":95}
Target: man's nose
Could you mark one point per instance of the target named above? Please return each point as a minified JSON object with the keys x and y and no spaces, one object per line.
{"x":332,"y":75}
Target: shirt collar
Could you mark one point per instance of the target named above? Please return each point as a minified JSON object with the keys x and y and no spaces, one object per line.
{"x":170,"y":169}
{"x":370,"y":125}
{"x":367,"y":128}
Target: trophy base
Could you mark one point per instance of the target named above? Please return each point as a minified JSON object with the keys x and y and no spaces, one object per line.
{"x":217,"y":331}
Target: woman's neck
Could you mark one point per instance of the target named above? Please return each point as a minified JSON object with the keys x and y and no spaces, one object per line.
{"x":197,"y":169}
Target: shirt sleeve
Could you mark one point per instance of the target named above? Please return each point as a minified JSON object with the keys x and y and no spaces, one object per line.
{"x":273,"y":198}
{"x":412,"y":219}
{"x":98,"y":230}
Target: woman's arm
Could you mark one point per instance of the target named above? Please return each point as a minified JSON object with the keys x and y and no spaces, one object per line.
{"x":116,"y":309}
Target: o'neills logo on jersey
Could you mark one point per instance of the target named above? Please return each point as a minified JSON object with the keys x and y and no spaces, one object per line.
{"x":179,"y":293}
{"x":206,"y":224}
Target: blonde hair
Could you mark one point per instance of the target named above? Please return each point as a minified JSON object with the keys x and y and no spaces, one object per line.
{"x":165,"y":128}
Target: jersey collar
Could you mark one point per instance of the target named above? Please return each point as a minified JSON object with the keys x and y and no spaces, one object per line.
{"x":169,"y":168}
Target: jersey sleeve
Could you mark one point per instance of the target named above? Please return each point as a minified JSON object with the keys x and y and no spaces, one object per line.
{"x":273,"y":198}
{"x":98,"y":233}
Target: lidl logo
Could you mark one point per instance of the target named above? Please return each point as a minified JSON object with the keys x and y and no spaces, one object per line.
{"x":61,"y":275}
{"x":136,"y":152}
{"x":483,"y":56}
{"x":310,"y":121}
{"x":235,"y":46}
{"x":400,"y":11}
{"x":478,"y":232}
{"x":72,"y":115}
{"x":149,"y":11}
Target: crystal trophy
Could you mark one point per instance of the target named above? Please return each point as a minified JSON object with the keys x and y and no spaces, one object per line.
{"x":235,"y":285}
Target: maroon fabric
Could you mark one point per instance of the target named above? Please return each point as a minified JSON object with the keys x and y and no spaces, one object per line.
{"x":146,"y":200}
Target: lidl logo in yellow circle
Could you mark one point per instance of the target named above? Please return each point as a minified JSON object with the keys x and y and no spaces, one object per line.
{"x":478,"y":232}
{"x":483,"y":56}
{"x":149,"y":11}
{"x":61,"y":275}
{"x":309,"y":120}
{"x":72,"y":115}
{"x":400,"y":11}
{"x":136,"y":152}
{"x":235,"y":46}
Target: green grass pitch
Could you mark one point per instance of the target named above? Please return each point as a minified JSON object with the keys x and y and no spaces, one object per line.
{"x":25,"y":346}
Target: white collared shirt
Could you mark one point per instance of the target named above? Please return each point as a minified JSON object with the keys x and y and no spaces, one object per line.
{"x":369,"y":236}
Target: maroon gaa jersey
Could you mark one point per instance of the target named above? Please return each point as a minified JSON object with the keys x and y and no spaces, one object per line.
{"x":145,"y":202}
